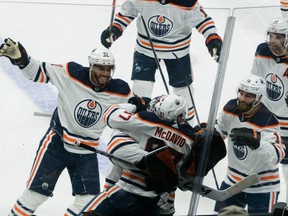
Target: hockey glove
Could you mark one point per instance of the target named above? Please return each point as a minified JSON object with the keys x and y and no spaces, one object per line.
{"x":245,"y":136}
{"x":141,"y":103}
{"x":161,"y":172}
{"x":15,"y":52}
{"x":214,"y":44}
{"x":217,"y":153}
{"x":110,"y":35}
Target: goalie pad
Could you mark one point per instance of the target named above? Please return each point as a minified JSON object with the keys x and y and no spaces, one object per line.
{"x":161,"y":171}
{"x":217,"y":152}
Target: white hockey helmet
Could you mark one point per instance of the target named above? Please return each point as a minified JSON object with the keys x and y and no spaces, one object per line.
{"x":168,"y":107}
{"x":254,"y":85}
{"x":278,"y":26}
{"x":101,"y":56}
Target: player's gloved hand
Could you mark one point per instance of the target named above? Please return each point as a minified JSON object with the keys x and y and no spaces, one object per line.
{"x":15,"y":52}
{"x":110,"y":35}
{"x":214,"y":44}
{"x":245,"y":136}
{"x":141,"y":103}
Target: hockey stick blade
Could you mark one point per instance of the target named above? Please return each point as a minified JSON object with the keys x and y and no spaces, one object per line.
{"x":231,"y":191}
{"x":220,"y":195}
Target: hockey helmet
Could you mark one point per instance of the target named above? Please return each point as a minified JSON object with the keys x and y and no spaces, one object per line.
{"x":101,"y":56}
{"x":254,"y":85}
{"x":168,"y":107}
{"x":278,"y":26}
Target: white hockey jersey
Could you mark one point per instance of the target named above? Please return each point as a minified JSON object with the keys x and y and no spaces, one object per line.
{"x":80,"y":108}
{"x":274,"y":70}
{"x":242,"y":160}
{"x":170,"y":26}
{"x":136,"y":135}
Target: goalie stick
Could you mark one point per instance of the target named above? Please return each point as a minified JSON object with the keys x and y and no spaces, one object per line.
{"x":205,"y":191}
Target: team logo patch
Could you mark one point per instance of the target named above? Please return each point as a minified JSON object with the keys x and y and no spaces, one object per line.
{"x":87,"y":113}
{"x":274,"y":87}
{"x":240,"y":151}
{"x":160,"y":26}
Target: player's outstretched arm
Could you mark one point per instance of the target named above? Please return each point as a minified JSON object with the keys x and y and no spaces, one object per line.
{"x":15,"y":52}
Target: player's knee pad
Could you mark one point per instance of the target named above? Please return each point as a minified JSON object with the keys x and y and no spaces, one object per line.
{"x":79,"y":203}
{"x":143,"y":88}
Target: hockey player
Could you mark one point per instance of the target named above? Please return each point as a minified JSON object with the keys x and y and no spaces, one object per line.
{"x":254,"y":146}
{"x":271,"y":63}
{"x":154,"y":175}
{"x":170,"y":24}
{"x":83,"y":95}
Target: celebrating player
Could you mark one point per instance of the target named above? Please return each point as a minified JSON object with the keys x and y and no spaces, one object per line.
{"x":254,"y":146}
{"x":141,"y":189}
{"x":169,"y":24}
{"x":271,"y":63}
{"x":83,"y":95}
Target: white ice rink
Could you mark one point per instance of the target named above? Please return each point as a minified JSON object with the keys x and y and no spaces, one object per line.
{"x":68,"y":31}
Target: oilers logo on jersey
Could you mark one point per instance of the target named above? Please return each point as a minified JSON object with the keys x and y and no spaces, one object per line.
{"x":274,"y":87}
{"x":87,"y":113}
{"x":160,"y":25}
{"x":240,"y":151}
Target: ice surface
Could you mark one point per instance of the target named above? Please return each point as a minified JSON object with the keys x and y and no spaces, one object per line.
{"x":68,"y":30}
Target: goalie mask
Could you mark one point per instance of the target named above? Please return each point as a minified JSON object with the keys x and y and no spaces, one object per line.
{"x":254,"y":86}
{"x":168,"y":107}
{"x":277,"y":36}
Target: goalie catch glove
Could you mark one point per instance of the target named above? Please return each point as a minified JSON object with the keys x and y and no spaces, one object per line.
{"x":141,"y":103}
{"x":214,"y":44}
{"x":15,"y":52}
{"x":110,"y":35}
{"x":160,"y":171}
{"x":245,"y":136}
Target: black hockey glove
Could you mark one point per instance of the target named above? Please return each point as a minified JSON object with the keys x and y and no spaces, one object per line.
{"x":245,"y":136}
{"x":15,"y":52}
{"x":214,"y":44}
{"x":110,"y":35}
{"x":141,"y":103}
{"x":160,"y":169}
{"x":217,"y":151}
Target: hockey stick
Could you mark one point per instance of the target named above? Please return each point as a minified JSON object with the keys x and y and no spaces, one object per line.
{"x":154,"y":53}
{"x":113,"y":157}
{"x":189,"y":185}
{"x":41,"y":114}
{"x":220,"y":195}
{"x":112,"y":13}
{"x":212,"y":114}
